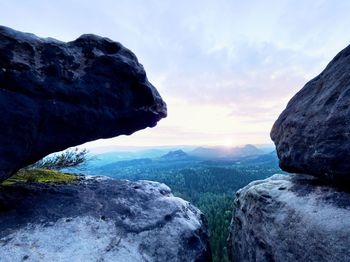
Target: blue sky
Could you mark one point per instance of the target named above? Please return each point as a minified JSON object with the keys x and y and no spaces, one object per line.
{"x":225,"y":68}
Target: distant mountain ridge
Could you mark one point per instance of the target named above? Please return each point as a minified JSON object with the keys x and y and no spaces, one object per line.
{"x":223,"y":152}
{"x":247,"y":153}
{"x":175,"y":155}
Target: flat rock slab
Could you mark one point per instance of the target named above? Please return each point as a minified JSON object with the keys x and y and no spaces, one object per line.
{"x":288,"y":219}
{"x":99,"y":220}
{"x":312,"y":135}
{"x":55,"y":95}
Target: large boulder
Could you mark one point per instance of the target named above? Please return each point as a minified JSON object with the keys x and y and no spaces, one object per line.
{"x":312,"y":135}
{"x":290,"y":218}
{"x":99,"y":220}
{"x":55,"y":95}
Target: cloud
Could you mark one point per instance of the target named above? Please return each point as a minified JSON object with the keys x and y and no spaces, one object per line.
{"x":224,"y":67}
{"x":253,"y":81}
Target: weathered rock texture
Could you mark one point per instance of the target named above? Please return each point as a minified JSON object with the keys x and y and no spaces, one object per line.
{"x":99,"y":220}
{"x":312,"y":135}
{"x":290,"y":218}
{"x":54,"y":95}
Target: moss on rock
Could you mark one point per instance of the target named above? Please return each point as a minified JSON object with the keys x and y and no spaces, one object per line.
{"x":40,"y":175}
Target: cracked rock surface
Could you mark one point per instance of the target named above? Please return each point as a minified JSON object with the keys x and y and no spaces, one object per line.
{"x":99,"y":220}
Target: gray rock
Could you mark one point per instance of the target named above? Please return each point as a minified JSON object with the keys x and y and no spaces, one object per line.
{"x":54,"y":95}
{"x":290,"y":218}
{"x":312,"y":135}
{"x":99,"y":220}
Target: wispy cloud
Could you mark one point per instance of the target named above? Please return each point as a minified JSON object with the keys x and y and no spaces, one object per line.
{"x":226,"y":68}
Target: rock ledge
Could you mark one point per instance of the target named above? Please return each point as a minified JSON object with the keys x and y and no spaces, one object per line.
{"x":99,"y":220}
{"x":290,"y":218}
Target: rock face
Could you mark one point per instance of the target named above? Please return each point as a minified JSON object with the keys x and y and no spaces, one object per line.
{"x":303,"y":217}
{"x":99,"y":220}
{"x":312,"y":135}
{"x":290,"y":218}
{"x":54,"y":95}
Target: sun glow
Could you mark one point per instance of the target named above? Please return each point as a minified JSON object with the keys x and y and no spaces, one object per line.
{"x":228,"y":142}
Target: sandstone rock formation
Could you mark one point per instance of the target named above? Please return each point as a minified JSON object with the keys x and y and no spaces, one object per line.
{"x":302,"y":217}
{"x":290,"y":218}
{"x":54,"y":95}
{"x":99,"y":220}
{"x":312,"y":135}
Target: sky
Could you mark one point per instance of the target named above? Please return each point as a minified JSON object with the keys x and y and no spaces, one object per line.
{"x":225,"y":68}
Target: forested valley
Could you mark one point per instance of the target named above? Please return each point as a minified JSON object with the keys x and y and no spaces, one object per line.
{"x":208,"y":184}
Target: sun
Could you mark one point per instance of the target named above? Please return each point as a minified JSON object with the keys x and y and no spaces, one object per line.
{"x":228,"y":142}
